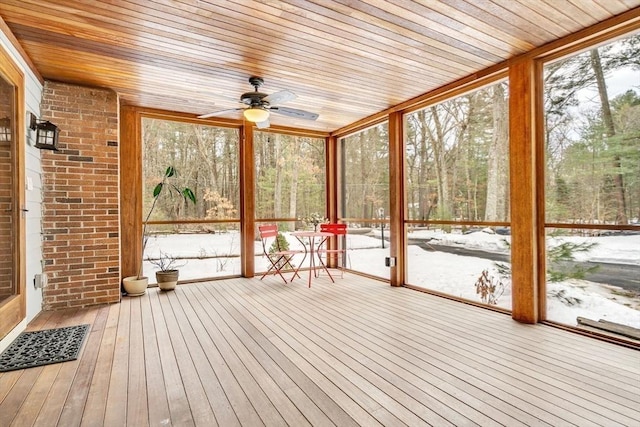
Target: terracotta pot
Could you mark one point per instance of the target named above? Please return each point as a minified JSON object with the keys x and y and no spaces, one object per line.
{"x":167,"y":280}
{"x":135,"y":286}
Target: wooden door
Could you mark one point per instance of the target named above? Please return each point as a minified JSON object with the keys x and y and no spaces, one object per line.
{"x":12,"y":201}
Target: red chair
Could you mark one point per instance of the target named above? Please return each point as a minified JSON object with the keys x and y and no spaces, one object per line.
{"x":279,"y":258}
{"x":335,"y":253}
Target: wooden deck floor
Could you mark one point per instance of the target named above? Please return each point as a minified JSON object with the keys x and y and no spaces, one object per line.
{"x":358,"y":352}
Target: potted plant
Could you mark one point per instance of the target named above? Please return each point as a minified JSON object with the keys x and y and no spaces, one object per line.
{"x":137,"y":285}
{"x":167,"y":275}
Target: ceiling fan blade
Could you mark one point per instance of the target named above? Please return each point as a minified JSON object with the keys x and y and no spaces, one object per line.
{"x":293,"y":112}
{"x":263,"y":125}
{"x":219,"y":113}
{"x":280,"y":97}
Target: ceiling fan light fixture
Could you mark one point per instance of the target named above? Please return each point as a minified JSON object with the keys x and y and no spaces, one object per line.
{"x":256,"y":114}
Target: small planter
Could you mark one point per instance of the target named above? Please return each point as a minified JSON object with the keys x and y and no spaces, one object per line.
{"x":167,"y":280}
{"x":135,"y":286}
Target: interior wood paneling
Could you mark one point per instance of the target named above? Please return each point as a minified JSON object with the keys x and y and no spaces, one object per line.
{"x":345,"y":60}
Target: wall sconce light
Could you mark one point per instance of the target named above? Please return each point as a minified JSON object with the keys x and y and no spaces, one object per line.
{"x":46,"y":133}
{"x":6,"y":132}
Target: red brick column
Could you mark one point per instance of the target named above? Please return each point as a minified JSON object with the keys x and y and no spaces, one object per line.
{"x":80,"y":214}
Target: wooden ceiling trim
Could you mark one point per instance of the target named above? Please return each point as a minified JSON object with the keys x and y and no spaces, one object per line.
{"x":154,"y":113}
{"x":287,"y":130}
{"x":18,"y":47}
{"x":613,"y":27}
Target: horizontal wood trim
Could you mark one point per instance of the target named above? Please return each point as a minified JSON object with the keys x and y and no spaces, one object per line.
{"x":293,"y":131}
{"x":598,"y":33}
{"x":480,"y":223}
{"x":194,"y":221}
{"x":620,"y":227}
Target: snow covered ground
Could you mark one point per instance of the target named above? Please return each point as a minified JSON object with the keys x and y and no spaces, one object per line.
{"x":215,"y":255}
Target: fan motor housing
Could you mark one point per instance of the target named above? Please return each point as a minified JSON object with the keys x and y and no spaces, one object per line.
{"x":253,"y":98}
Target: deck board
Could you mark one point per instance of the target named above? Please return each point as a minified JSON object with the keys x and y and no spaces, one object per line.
{"x":358,"y":352}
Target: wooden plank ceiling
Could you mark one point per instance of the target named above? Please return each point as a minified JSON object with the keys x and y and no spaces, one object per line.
{"x":344,"y":59}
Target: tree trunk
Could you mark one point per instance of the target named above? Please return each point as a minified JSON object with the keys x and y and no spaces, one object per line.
{"x":277,"y":190}
{"x":496,"y":174}
{"x":607,"y":117}
{"x":441,"y":167}
{"x":293,"y":200}
{"x":423,"y":167}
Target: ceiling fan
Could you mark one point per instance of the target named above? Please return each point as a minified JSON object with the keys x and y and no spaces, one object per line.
{"x":260,"y":105}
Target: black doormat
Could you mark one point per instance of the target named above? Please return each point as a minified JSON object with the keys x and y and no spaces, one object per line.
{"x":45,"y":347}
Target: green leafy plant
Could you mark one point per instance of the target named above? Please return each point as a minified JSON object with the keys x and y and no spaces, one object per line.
{"x":561,"y":264}
{"x":561,"y":260}
{"x":280,"y":244}
{"x":186,"y":193}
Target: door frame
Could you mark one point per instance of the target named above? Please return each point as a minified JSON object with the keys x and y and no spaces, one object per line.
{"x":14,"y":309}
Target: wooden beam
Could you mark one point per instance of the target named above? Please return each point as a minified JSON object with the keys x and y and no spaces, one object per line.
{"x":247,"y":202}
{"x":130,"y":191}
{"x":331,"y":189}
{"x":331,"y":177}
{"x":522,"y":164}
{"x":397,"y":239}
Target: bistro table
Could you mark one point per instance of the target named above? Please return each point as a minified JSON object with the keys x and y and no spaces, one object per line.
{"x":311,"y":237}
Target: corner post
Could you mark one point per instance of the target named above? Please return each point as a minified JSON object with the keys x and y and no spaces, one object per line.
{"x":397,"y":239}
{"x":524,"y":84}
{"x":247,"y":201}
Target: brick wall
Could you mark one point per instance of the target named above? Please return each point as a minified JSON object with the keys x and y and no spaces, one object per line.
{"x":81,"y":246}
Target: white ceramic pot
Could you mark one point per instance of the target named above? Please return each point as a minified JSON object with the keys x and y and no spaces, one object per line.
{"x":135,"y":286}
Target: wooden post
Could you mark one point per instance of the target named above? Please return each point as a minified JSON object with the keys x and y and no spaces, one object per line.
{"x":396,"y":199}
{"x":331,"y":168}
{"x":524,"y":87}
{"x":247,"y":201}
{"x":331,"y":186}
{"x":130,"y":190}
